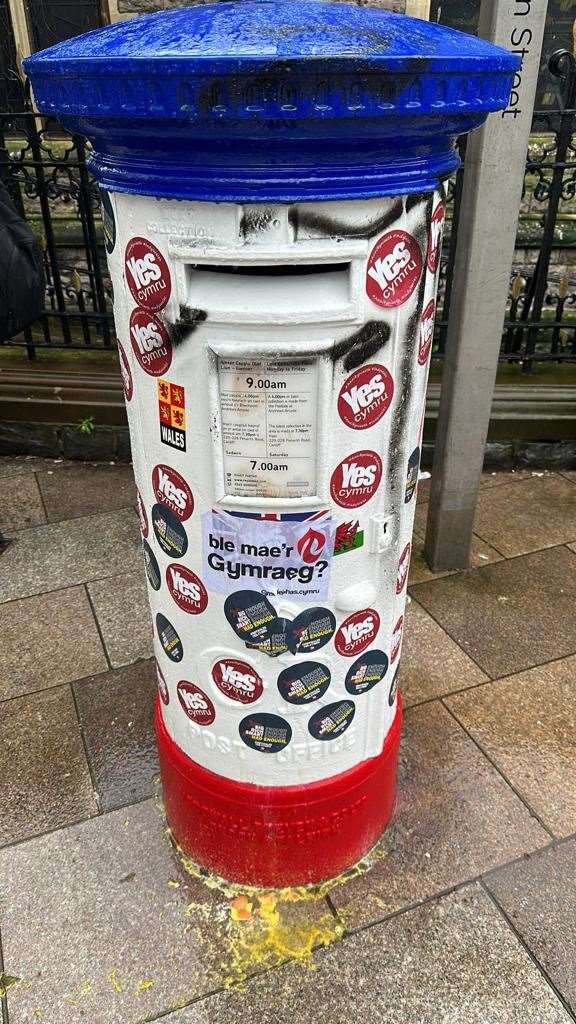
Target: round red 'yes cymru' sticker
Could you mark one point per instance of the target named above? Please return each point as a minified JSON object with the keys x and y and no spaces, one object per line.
{"x":357,"y":632}
{"x":126,"y":374}
{"x":394,"y":269}
{"x":435,"y":238}
{"x":172,"y":490}
{"x":187,"y":590}
{"x":150,"y":342}
{"x":195,"y":703}
{"x":403,"y":567}
{"x":237,"y":680}
{"x":365,"y":396}
{"x":356,"y":479}
{"x":147,"y":274}
{"x":426,"y":332}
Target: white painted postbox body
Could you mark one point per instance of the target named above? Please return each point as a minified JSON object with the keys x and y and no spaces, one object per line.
{"x":276,"y":432}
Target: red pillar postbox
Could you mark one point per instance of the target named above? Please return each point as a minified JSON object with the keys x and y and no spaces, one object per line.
{"x":272,"y":200}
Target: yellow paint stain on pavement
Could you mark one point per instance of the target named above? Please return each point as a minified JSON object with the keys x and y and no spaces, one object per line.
{"x":84,"y":989}
{"x":269,"y":936}
{"x":262,"y":928}
{"x":143,"y":986}
{"x":244,"y":931}
{"x":8,"y":981}
{"x":241,"y":909}
{"x":115,"y":981}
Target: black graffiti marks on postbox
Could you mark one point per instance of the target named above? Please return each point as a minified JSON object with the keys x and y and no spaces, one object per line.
{"x":412,"y":475}
{"x":304,"y":683}
{"x":311,"y":630}
{"x":278,"y":640}
{"x":168,"y":637}
{"x":366,"y":672}
{"x":152,"y":568}
{"x":392,"y":693}
{"x":169,"y":531}
{"x":108,"y":221}
{"x":331,"y":721}
{"x":356,"y":348}
{"x":265,"y":733}
{"x":251,"y":616}
{"x":435,"y":238}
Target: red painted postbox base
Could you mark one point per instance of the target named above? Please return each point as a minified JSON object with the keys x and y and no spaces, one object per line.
{"x":277,"y":836}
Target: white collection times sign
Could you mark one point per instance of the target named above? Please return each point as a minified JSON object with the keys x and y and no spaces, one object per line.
{"x":268,"y":410}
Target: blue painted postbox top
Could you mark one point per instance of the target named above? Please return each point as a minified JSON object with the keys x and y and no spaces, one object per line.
{"x":269,"y":100}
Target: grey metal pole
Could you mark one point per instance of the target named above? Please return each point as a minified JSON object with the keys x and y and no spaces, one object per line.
{"x":492,"y":190}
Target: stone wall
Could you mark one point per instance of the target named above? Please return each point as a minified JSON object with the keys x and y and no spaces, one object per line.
{"x":418,"y":8}
{"x":51,"y":441}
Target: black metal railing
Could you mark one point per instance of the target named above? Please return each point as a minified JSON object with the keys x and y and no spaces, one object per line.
{"x":540,"y":324}
{"x":44,"y":168}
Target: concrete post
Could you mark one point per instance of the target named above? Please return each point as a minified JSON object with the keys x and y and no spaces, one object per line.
{"x":494,"y":174}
